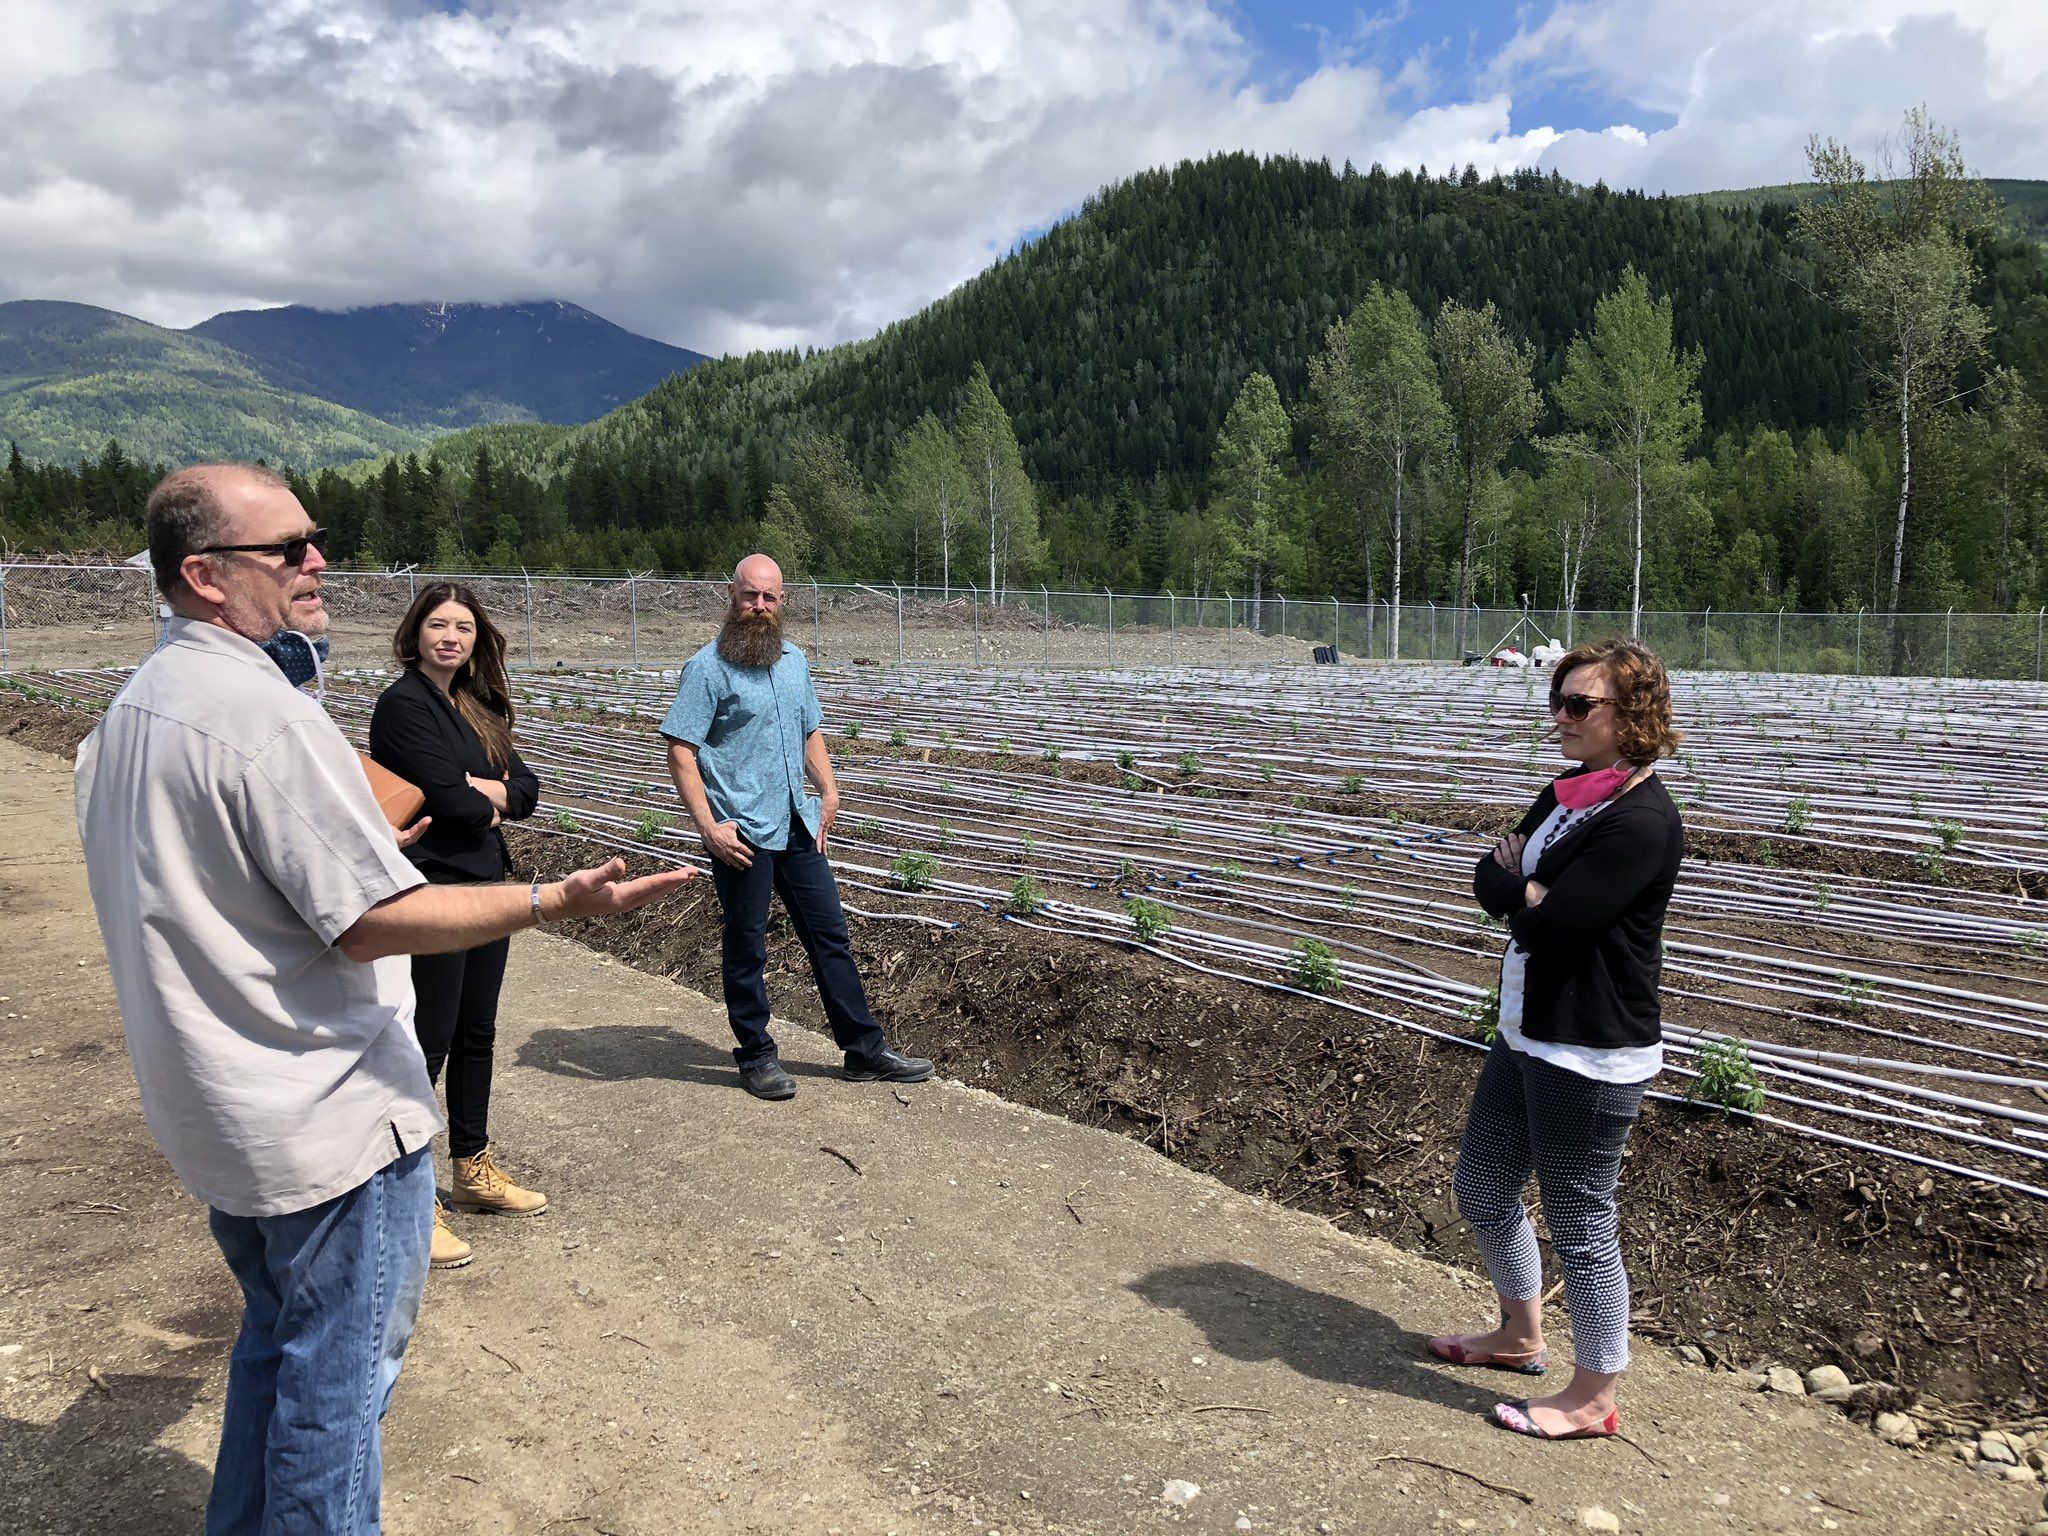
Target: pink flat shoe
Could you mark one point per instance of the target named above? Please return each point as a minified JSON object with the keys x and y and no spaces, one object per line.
{"x":1448,"y":1346}
{"x":1515,"y":1416}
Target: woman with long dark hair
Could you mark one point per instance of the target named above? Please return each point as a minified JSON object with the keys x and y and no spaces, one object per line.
{"x":1583,"y":883}
{"x":446,"y":725}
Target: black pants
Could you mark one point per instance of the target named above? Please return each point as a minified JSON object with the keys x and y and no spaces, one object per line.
{"x":455,"y":1015}
{"x":802,"y":877}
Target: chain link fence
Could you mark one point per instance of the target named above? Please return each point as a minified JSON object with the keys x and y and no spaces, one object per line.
{"x":60,"y":615}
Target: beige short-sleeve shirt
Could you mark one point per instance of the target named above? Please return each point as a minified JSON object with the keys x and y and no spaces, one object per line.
{"x":230,"y":838}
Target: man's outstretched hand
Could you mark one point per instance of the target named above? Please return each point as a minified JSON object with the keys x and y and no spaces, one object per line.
{"x":604,"y":890}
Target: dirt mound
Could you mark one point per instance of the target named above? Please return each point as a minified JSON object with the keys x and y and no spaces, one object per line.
{"x":42,"y":723}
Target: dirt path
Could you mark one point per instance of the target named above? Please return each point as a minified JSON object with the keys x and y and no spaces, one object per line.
{"x":1000,"y":1322}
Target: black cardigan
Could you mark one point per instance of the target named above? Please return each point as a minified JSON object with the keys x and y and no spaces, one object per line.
{"x":1595,"y":944}
{"x":418,"y":734}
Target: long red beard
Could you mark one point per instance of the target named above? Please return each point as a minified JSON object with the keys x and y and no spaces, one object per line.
{"x":750,"y":641}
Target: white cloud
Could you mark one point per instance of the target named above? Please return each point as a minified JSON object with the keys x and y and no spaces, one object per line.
{"x":1745,"y":84}
{"x":726,"y":176}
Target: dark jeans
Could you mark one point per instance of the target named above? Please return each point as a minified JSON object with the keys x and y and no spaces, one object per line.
{"x":329,"y":1296}
{"x":802,"y":877}
{"x":455,"y":1016}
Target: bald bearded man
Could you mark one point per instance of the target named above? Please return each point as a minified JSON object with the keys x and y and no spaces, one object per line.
{"x":744,"y":733}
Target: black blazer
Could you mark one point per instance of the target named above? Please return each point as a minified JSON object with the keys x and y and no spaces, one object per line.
{"x":418,"y":735}
{"x":1596,"y":944}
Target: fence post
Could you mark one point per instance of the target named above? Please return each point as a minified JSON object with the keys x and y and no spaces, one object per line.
{"x":1337,"y":628}
{"x":1173,"y":631}
{"x":971,"y":587}
{"x":412,"y":582}
{"x":817,"y":645}
{"x":1283,"y":620}
{"x":1229,"y":628}
{"x":1859,"y":639}
{"x":1781,"y":639}
{"x":1112,"y":624}
{"x":3,"y":628}
{"x":2039,"y":619}
{"x":1948,"y":638}
{"x":1047,"y":631}
{"x":529,"y":611}
{"x":1432,"y":631}
{"x":633,"y":607}
{"x":899,"y":621}
{"x":1706,"y":627}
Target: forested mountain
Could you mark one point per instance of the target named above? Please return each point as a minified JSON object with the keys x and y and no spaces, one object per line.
{"x":2025,"y":203}
{"x":308,"y":387}
{"x":452,"y":365}
{"x":73,"y":376}
{"x":1271,"y":376}
{"x":1118,"y":339}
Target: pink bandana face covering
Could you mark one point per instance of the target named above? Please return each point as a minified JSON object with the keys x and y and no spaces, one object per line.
{"x":1577,"y":791}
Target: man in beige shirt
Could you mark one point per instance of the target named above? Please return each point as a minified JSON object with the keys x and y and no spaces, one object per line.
{"x":254,"y":905}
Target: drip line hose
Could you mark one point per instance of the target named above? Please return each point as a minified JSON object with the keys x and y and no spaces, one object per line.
{"x":1361,"y":864}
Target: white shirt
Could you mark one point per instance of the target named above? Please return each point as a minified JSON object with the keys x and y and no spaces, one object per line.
{"x":1620,"y":1064}
{"x":230,"y":838}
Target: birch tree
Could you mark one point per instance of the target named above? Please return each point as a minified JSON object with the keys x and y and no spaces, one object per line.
{"x":1895,"y":256}
{"x":1002,"y":497}
{"x":929,"y":496}
{"x":1631,"y":394}
{"x":1376,"y":408}
{"x":1485,"y":380}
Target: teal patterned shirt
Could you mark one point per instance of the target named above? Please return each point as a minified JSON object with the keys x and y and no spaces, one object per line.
{"x":749,"y":725}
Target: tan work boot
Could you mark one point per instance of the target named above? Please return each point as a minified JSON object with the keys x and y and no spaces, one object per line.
{"x":481,"y":1185}
{"x":448,"y":1251}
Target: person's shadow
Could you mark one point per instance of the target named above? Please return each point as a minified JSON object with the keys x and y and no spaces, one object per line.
{"x":617,"y":1053}
{"x":97,"y":1468}
{"x":1248,"y":1314}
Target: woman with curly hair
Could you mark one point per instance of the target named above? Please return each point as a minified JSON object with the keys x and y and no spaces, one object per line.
{"x":446,"y":725}
{"x":1583,"y":883}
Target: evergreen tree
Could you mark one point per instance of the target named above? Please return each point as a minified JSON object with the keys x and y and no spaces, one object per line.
{"x":821,"y":511}
{"x":1251,"y":471}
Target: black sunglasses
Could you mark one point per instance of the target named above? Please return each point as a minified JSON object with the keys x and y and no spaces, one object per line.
{"x":293,"y":550}
{"x":1576,"y":706}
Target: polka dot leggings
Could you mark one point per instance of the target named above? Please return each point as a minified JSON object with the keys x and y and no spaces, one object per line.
{"x":1528,"y":1114}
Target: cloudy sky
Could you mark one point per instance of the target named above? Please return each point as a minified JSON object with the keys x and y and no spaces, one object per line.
{"x":724,"y":174}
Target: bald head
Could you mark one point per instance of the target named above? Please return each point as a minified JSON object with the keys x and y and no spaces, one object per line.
{"x":200,"y":505}
{"x":759,"y":572}
{"x":756,"y":586}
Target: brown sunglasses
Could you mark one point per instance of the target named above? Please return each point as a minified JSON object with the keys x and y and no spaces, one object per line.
{"x":1576,"y":706}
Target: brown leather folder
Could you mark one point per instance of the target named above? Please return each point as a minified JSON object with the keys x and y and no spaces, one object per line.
{"x":400,"y":800}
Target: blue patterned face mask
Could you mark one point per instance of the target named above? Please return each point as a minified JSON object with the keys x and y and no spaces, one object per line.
{"x":300,"y":658}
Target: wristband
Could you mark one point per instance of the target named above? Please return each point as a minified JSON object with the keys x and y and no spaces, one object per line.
{"x":538,"y":920}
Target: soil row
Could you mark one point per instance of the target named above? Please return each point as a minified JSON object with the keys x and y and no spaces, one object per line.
{"x":1752,"y":1245}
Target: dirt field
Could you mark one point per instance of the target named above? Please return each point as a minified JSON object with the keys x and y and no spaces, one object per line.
{"x":1000,"y":1321}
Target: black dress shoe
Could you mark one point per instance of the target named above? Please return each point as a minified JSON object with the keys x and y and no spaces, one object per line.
{"x":891,"y":1066}
{"x":765,"y":1079}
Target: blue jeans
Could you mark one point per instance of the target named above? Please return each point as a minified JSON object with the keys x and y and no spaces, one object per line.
{"x":802,"y":877}
{"x":329,"y":1298}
